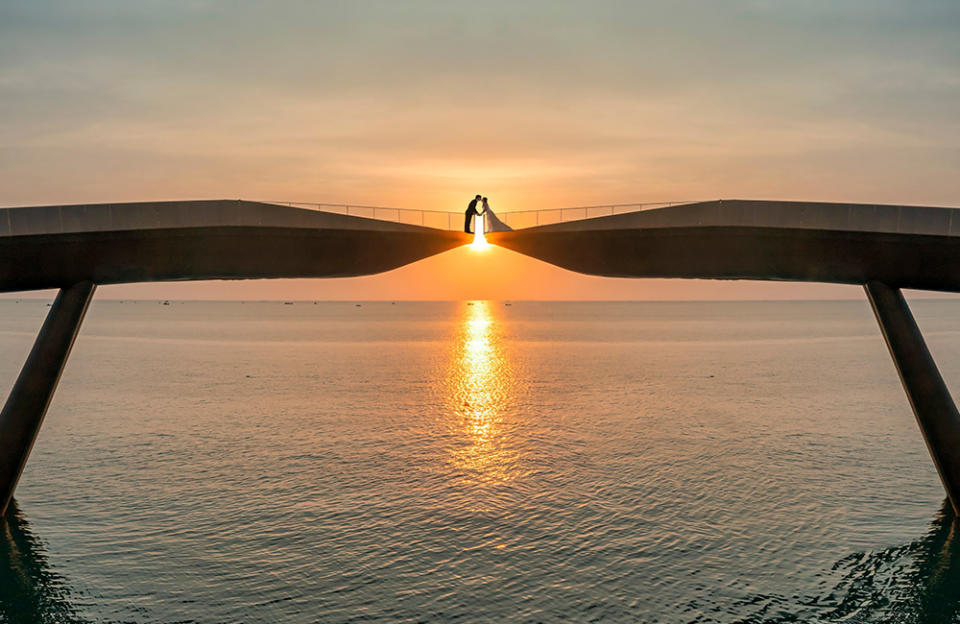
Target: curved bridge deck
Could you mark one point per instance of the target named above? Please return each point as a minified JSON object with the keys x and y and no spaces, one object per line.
{"x":56,"y":246}
{"x":902,"y":246}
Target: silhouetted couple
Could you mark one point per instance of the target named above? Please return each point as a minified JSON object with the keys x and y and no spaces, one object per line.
{"x":473,"y":212}
{"x":490,"y":221}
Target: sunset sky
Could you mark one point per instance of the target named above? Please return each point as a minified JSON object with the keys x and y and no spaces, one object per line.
{"x":536,"y":104}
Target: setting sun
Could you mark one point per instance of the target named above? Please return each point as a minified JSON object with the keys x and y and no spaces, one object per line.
{"x":479,"y":239}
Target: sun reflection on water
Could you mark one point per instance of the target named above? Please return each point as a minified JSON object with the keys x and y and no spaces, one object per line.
{"x":481,"y":388}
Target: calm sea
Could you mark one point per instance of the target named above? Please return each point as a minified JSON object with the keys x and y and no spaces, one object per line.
{"x":484,"y":462}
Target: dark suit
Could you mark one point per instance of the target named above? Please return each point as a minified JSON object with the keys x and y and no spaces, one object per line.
{"x":471,"y":213}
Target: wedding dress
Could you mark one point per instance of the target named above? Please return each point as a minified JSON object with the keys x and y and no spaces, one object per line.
{"x":492,"y":223}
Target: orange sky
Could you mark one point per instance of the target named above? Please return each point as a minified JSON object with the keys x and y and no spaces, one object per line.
{"x":422,"y":104}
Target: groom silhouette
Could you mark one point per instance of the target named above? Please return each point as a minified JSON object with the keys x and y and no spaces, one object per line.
{"x":471,"y":213}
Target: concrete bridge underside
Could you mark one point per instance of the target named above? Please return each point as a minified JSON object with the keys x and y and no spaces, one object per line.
{"x":902,"y":246}
{"x":57,"y":246}
{"x":882,"y":248}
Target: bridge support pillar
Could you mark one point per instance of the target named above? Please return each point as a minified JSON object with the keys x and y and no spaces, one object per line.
{"x":27,"y":404}
{"x":932,"y":404}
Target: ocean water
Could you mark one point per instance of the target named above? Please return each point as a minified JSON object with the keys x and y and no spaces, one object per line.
{"x":479,"y":462}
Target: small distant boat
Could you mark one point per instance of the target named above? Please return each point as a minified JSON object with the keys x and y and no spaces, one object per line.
{"x":358,"y":305}
{"x":165,"y":302}
{"x":287,"y":303}
{"x":508,"y":304}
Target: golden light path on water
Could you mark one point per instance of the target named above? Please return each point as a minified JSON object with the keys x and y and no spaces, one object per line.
{"x":481,"y":390}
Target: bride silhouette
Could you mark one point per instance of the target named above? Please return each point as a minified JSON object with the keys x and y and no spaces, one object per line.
{"x":492,"y":223}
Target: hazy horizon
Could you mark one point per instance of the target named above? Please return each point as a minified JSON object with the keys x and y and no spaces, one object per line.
{"x":536,"y":105}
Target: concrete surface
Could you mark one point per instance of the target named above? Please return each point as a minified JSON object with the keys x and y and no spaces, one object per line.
{"x":57,"y":246}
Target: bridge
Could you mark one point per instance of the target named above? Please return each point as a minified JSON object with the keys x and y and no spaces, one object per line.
{"x":884,"y":248}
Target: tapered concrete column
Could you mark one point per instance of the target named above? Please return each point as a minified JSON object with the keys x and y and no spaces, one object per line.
{"x":27,"y":404}
{"x":932,"y":404}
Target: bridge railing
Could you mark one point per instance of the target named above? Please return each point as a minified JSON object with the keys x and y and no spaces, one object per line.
{"x":442,"y":220}
{"x":520,"y":219}
{"x":437,"y":219}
